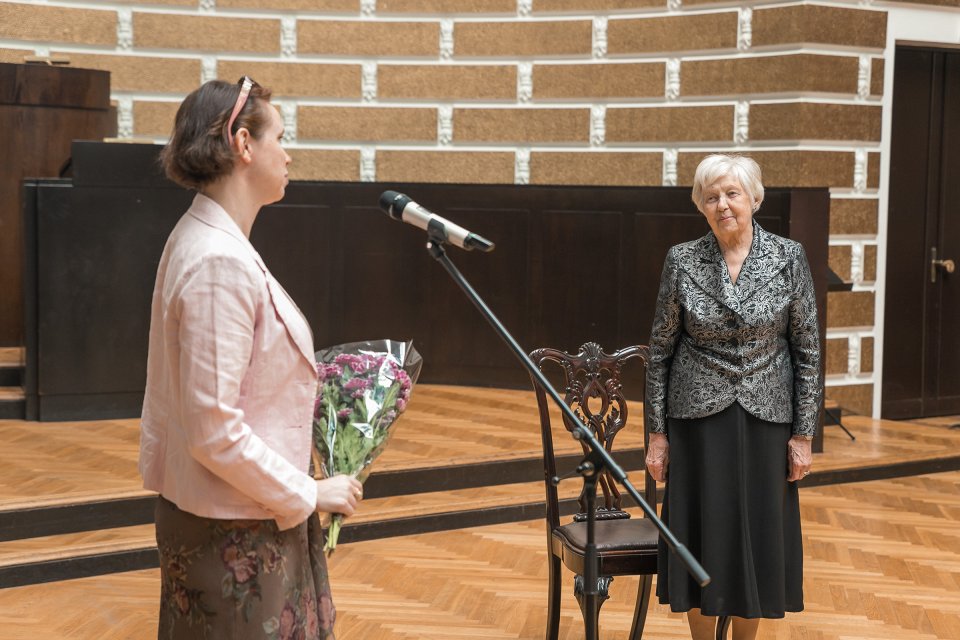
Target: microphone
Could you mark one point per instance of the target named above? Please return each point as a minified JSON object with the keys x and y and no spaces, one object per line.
{"x":401,"y":207}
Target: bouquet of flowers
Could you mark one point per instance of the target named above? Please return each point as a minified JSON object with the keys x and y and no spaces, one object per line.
{"x":364,"y":387}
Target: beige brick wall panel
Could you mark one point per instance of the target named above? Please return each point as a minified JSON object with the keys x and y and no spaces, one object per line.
{"x":849,"y":309}
{"x":377,"y":124}
{"x":937,"y":3}
{"x":672,"y":33}
{"x":426,"y":7}
{"x":15,"y":56}
{"x":866,"y":355}
{"x":596,"y":168}
{"x":447,"y":82}
{"x":870,"y":263}
{"x":815,"y":121}
{"x":873,"y":170}
{"x":521,"y":125}
{"x":786,"y":168}
{"x":163,"y":3}
{"x":855,"y":398}
{"x":819,"y":25}
{"x":445,"y":166}
{"x":543,"y":6}
{"x":365,"y":38}
{"x":297,"y":78}
{"x":142,"y":73}
{"x":325,"y":164}
{"x":593,"y":81}
{"x":838,"y":259}
{"x":876,"y":77}
{"x":853,"y":217}
{"x":837,"y":351}
{"x":769,"y":74}
{"x":548,"y":38}
{"x":153,"y":119}
{"x":57,"y":24}
{"x":345,"y":6}
{"x":206,"y":33}
{"x":670,"y":124}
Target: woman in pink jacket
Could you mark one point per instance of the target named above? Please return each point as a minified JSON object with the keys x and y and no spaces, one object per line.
{"x":231,"y":382}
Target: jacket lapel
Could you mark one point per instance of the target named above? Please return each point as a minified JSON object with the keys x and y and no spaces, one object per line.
{"x":293,"y":319}
{"x":704,"y":264}
{"x":766,"y":259}
{"x":211,"y":213}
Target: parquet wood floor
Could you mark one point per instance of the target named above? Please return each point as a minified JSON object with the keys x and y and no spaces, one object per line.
{"x":882,"y":562}
{"x":66,"y":462}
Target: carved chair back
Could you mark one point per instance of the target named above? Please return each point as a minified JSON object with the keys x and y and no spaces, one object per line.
{"x":593,"y":390}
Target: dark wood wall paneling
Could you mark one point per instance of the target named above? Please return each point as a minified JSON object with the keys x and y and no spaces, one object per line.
{"x":572,"y":264}
{"x":42,"y":110}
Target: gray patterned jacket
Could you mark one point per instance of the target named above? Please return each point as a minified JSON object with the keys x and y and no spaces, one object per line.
{"x":754,"y":342}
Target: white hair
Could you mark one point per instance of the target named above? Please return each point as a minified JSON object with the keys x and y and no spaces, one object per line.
{"x":719,"y":165}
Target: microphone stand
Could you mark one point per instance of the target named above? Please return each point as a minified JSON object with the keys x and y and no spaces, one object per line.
{"x":592,"y":465}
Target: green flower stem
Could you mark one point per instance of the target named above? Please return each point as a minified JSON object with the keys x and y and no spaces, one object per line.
{"x":333,"y":533}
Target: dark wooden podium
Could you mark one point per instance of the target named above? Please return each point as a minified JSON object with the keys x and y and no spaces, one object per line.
{"x":42,"y":110}
{"x":572,"y":264}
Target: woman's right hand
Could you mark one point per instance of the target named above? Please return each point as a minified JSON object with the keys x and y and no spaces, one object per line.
{"x":658,"y":456}
{"x":339,"y":494}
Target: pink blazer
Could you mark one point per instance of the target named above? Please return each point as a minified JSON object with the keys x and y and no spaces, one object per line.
{"x":231,"y":380}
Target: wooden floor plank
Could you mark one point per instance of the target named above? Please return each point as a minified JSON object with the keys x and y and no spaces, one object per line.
{"x":68,"y":462}
{"x":874,"y":570}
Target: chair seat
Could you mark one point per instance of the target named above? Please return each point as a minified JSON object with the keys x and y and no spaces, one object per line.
{"x":636,"y":535}
{"x":624,"y":547}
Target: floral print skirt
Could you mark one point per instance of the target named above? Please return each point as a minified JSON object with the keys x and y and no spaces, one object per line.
{"x":241,"y":579}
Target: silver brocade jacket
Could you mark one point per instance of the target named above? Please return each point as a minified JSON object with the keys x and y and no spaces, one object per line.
{"x":755,"y":342}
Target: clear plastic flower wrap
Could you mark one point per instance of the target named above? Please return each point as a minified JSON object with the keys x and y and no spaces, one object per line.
{"x":364,"y":387}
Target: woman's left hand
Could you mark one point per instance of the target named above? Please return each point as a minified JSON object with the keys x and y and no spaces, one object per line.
{"x":799,"y":458}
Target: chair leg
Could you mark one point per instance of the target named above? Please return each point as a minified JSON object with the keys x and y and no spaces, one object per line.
{"x":643,"y":602}
{"x":723,"y":624}
{"x":603,"y":589}
{"x":553,"y":599}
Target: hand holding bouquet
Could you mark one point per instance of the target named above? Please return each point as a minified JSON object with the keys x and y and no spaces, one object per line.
{"x":364,"y":387}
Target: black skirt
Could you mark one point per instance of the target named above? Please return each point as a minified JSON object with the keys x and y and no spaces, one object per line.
{"x":728,"y":500}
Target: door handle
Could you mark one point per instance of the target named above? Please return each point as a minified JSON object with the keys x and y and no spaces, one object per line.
{"x":947,"y":265}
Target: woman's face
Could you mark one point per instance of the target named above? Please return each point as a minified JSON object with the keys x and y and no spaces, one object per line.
{"x":269,"y":159}
{"x":727,"y":207}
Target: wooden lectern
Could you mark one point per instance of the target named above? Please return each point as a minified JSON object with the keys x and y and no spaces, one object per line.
{"x":42,"y":110}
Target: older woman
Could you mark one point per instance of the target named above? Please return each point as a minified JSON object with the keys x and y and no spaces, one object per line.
{"x":231,"y":381}
{"x":733,"y":396}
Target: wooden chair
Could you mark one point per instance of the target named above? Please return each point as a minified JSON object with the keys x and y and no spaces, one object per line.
{"x":625,"y":546}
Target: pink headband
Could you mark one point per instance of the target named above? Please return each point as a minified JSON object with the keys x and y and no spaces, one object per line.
{"x":241,"y":100}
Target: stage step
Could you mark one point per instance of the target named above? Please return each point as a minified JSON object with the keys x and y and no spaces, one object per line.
{"x":80,"y":554}
{"x":77,"y":555}
{"x":13,"y":405}
{"x":461,"y":457}
{"x":11,"y":367}
{"x":400,"y":487}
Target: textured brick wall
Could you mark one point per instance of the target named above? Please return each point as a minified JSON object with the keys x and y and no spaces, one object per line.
{"x":622,"y":92}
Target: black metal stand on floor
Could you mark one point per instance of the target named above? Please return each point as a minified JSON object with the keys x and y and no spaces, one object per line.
{"x":723,"y":623}
{"x":838,"y":422}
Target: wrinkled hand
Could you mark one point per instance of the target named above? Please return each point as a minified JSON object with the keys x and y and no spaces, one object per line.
{"x":799,"y":458}
{"x":339,"y":494}
{"x":658,"y":456}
